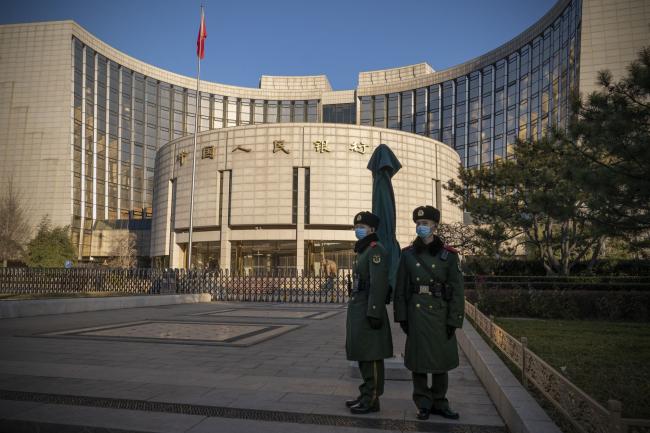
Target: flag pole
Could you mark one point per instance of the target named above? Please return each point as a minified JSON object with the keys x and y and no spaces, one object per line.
{"x":196,"y":127}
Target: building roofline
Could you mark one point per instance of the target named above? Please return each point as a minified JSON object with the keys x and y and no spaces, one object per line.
{"x":380,"y":81}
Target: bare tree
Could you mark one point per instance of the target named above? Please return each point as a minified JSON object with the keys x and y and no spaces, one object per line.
{"x":124,"y":251}
{"x":460,"y":236}
{"x":15,"y":229}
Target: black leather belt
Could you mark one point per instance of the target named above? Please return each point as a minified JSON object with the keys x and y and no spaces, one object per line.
{"x":428,"y":289}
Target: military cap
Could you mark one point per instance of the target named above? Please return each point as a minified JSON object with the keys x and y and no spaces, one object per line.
{"x":426,"y":213}
{"x":367,"y":218}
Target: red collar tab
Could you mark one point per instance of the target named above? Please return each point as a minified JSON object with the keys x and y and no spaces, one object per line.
{"x":451,"y":249}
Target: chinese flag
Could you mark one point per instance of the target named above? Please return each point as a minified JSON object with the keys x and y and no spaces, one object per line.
{"x":200,"y":41}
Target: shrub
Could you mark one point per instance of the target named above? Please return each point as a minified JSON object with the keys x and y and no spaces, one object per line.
{"x":563,"y":304}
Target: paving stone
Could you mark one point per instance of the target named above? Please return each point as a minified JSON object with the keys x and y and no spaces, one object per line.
{"x":114,"y":418}
{"x":300,"y":371}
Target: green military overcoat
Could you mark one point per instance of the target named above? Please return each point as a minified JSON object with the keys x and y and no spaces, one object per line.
{"x":428,"y":350}
{"x":363,"y":343}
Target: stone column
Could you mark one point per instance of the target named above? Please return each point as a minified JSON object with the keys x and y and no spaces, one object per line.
{"x":300,"y":222}
{"x":224,"y":260}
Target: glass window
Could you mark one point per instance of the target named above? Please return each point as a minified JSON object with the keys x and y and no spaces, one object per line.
{"x":245,"y":112}
{"x":447,"y":94}
{"x":258,"y":113}
{"x":461,"y":89}
{"x":179,"y":99}
{"x":339,"y":113}
{"x":312,"y":110}
{"x":461,"y":113}
{"x":380,"y":111}
{"x":512,"y":119}
{"x":165,"y":95}
{"x":434,"y":112}
{"x":523,"y":62}
{"x":486,"y":87}
{"x":285,"y":111}
{"x":486,"y":104}
{"x":366,"y":110}
{"x":393,"y":110}
{"x":474,"y":88}
{"x":459,"y":138}
{"x":407,"y":111}
{"x":513,"y":68}
{"x":299,"y":111}
{"x":500,"y":74}
{"x":421,"y":100}
{"x":205,"y":105}
{"x":78,"y":54}
{"x":472,"y":156}
{"x":472,"y":136}
{"x":272,"y":112}
{"x":217,"y":112}
{"x":231,"y":111}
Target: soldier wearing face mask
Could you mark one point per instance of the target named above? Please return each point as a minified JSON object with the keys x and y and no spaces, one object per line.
{"x":429,"y":306}
{"x":368,"y":338}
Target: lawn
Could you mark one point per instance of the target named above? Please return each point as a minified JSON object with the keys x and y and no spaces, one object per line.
{"x":607,"y":360}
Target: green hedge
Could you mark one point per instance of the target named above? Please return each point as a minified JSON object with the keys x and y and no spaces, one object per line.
{"x":563,"y":304}
{"x":614,"y":267}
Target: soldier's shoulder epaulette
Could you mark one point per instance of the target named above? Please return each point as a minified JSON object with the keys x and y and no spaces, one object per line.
{"x":445,"y":252}
{"x":451,"y":249}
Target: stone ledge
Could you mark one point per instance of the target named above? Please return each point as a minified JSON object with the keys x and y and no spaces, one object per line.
{"x":40,"y":307}
{"x":519,"y":410}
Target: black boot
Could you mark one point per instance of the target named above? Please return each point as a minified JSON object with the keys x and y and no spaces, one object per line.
{"x":356,"y":401}
{"x":446,"y":413}
{"x":423,"y":413}
{"x":365,"y":407}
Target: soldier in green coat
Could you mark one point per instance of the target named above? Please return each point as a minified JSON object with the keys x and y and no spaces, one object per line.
{"x":429,"y":306}
{"x":368,"y":337}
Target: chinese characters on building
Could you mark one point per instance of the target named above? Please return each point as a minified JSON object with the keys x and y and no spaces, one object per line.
{"x":181,"y":157}
{"x":207,"y":152}
{"x":358,"y":147}
{"x":278,"y":146}
{"x":320,"y":146}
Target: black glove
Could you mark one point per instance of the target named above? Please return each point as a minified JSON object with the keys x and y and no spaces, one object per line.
{"x":374,"y":322}
{"x":405,"y":327}
{"x":450,"y":332}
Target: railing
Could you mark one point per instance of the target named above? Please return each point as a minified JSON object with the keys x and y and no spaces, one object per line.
{"x":587,"y":415}
{"x":223,"y":286}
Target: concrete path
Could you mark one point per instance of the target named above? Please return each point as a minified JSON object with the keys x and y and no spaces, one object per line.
{"x":207,"y":367}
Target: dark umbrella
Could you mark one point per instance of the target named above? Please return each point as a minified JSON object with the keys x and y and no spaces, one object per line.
{"x":384,"y":165}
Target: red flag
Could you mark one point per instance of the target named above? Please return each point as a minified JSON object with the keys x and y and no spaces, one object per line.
{"x":200,"y":41}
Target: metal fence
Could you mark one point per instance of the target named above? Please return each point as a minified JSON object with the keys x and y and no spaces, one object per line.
{"x":586,"y":414}
{"x":223,"y":286}
{"x":146,"y":280}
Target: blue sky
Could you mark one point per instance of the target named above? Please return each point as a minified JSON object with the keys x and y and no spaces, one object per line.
{"x":250,"y":38}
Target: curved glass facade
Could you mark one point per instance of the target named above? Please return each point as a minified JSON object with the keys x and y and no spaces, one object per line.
{"x":121,"y":117}
{"x":480,"y":114}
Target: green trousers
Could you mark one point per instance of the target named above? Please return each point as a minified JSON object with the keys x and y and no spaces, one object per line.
{"x":430,"y":397}
{"x":372,"y":373}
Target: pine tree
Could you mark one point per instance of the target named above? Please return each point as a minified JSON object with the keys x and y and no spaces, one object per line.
{"x":612,"y":133}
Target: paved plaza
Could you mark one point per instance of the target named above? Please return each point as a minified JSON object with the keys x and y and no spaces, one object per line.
{"x":207,"y":367}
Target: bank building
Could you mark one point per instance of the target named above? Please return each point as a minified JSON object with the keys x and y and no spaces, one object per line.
{"x":103,"y":142}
